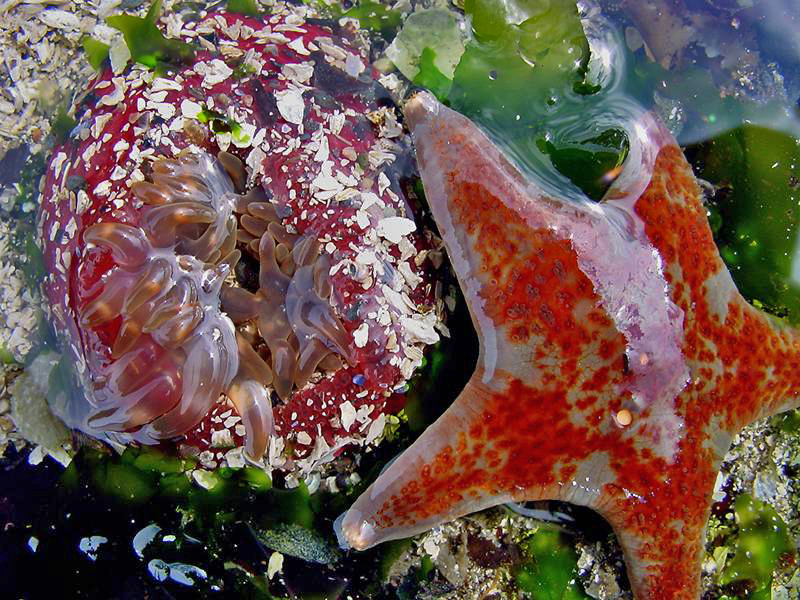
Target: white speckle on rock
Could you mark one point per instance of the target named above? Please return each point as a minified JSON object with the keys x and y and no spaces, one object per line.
{"x":162,"y":84}
{"x":102,"y":188}
{"x":235,"y":458}
{"x":254,"y":161}
{"x":116,"y":95}
{"x":376,"y":429}
{"x":119,"y":54}
{"x":158,"y":569}
{"x":412,"y":279}
{"x":297,"y":45}
{"x":222,"y":439}
{"x":59,"y":19}
{"x":186,"y":574}
{"x":205,"y":479}
{"x":419,"y":330}
{"x":165,"y":110}
{"x":299,"y":73}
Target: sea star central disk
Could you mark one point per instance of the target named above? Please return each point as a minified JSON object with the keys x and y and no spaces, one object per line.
{"x":617,"y":359}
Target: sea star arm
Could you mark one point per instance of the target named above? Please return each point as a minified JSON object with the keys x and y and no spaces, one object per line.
{"x":616,"y":357}
{"x":745,"y":364}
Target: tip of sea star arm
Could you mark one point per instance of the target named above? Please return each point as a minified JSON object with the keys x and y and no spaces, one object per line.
{"x":442,"y":476}
{"x":419,"y":107}
{"x":352,"y":531}
{"x":447,"y":141}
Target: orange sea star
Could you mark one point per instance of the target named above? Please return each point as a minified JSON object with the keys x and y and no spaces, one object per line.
{"x":617,"y":359}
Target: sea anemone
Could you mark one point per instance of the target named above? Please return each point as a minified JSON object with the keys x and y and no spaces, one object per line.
{"x":234,"y":233}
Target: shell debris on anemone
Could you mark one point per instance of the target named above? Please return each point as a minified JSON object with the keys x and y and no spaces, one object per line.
{"x":230,"y":254}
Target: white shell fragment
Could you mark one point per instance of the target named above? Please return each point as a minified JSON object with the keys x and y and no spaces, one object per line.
{"x":360,"y":335}
{"x":394,"y":228}
{"x":213,"y":72}
{"x":190,"y":109}
{"x":275,"y":564}
{"x":116,"y":95}
{"x":90,"y":545}
{"x":59,"y":19}
{"x":119,"y":55}
{"x":420,"y":329}
{"x":143,"y":538}
{"x":348,"y":414}
{"x":299,"y":73}
{"x":291,"y":105}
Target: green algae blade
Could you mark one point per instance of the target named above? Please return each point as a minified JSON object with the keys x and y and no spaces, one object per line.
{"x":375,"y":17}
{"x":146,"y":43}
{"x":96,"y":52}
{"x":551,"y":568}
{"x":755,"y":212}
{"x":244,"y":7}
{"x":763,"y":542}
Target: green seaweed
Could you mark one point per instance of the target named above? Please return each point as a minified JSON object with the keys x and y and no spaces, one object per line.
{"x":241,"y":70}
{"x":788,"y":422}
{"x":433,"y":34}
{"x":375,"y":17}
{"x":217,"y":122}
{"x":762,"y":543}
{"x":155,"y":462}
{"x":213,"y":525}
{"x":96,"y":52}
{"x":757,"y":212}
{"x":62,"y":125}
{"x":248,"y":8}
{"x":525,"y":63}
{"x":29,"y":259}
{"x":147,"y":44}
{"x":550,"y":569}
{"x":257,"y":479}
{"x":391,"y":552}
{"x":543,"y":55}
{"x":430,"y":76}
{"x":589,"y":162}
{"x":5,"y":356}
{"x":425,"y":568}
